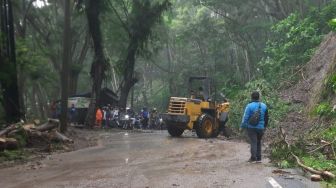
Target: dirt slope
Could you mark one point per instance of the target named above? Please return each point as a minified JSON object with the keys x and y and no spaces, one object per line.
{"x":314,"y":73}
{"x":307,"y":92}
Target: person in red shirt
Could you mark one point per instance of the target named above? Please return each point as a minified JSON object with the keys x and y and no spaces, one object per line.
{"x":99,"y":117}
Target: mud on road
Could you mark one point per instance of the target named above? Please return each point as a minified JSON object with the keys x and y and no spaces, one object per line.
{"x":151,"y":159}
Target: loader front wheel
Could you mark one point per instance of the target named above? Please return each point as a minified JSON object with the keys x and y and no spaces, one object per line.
{"x":174,"y":131}
{"x":205,"y":126}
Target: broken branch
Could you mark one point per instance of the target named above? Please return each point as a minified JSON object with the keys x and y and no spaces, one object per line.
{"x":326,"y":175}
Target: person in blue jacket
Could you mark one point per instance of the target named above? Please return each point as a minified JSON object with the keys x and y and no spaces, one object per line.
{"x":255,"y":132}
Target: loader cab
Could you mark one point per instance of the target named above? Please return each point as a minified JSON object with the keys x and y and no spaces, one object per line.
{"x":200,"y":88}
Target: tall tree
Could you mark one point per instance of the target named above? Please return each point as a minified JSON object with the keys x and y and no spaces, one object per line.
{"x":99,"y":64}
{"x":142,"y":18}
{"x":65,"y":65}
{"x":8,"y":72}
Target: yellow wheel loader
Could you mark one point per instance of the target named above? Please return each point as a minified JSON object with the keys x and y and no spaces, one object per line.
{"x":199,"y":112}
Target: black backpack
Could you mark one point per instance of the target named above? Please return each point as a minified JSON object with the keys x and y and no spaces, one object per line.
{"x":255,"y":118}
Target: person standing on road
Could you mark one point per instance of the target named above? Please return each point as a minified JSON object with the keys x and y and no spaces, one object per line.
{"x":255,"y":120}
{"x":104,"y":111}
{"x":99,"y":117}
{"x":145,"y":118}
{"x":72,"y":114}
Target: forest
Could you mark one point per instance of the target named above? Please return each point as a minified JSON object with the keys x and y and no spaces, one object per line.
{"x":145,"y":51}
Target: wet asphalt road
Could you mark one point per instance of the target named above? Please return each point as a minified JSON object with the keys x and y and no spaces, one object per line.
{"x":152,"y":159}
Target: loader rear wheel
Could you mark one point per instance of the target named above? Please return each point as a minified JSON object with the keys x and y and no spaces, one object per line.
{"x":174,"y":131}
{"x":205,"y":126}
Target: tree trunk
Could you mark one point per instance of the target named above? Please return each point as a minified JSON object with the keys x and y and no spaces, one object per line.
{"x":9,"y":85}
{"x":145,"y":100}
{"x":280,"y":8}
{"x":65,"y":66}
{"x":73,"y":82}
{"x":99,"y":65}
{"x":33,"y":103}
{"x":247,"y":65}
{"x":74,"y":74}
{"x":129,"y":80}
{"x":39,"y":99}
{"x":132,"y":98}
{"x":171,"y":83}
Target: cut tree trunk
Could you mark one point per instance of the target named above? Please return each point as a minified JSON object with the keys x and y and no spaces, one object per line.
{"x":7,"y":130}
{"x":61,"y":138}
{"x":8,"y":143}
{"x":51,"y":124}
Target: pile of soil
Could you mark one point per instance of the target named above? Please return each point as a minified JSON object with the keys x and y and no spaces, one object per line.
{"x":307,"y":92}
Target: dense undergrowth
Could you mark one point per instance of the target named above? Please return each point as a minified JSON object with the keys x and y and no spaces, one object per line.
{"x":277,"y":107}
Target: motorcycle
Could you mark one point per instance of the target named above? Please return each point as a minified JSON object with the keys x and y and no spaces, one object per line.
{"x":126,"y":122}
{"x":115,"y":123}
{"x":157,"y":123}
{"x":136,"y":122}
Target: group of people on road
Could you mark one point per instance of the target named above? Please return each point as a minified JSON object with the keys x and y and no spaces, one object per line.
{"x":106,"y":115}
{"x":109,"y":117}
{"x":55,"y":111}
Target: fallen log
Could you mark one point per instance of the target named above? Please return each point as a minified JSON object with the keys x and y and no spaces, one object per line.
{"x":7,"y":130}
{"x":326,"y":175}
{"x":37,"y":122}
{"x":315,"y":177}
{"x":51,"y":124}
{"x":8,"y":143}
{"x":38,"y":139}
{"x":2,"y":144}
{"x":28,"y":127}
{"x":62,"y":138}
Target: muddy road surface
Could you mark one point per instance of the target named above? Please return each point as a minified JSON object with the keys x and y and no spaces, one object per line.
{"x":152,"y":159}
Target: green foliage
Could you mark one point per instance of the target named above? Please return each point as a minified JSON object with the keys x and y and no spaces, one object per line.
{"x":324,"y":109}
{"x":10,"y":155}
{"x":332,"y":24}
{"x":331,"y":83}
{"x":277,"y":108}
{"x":294,"y":40}
{"x":284,"y":164}
{"x":329,"y":134}
{"x":330,"y":86}
{"x":21,"y":136}
{"x":280,"y":153}
{"x":293,"y":44}
{"x":320,"y":162}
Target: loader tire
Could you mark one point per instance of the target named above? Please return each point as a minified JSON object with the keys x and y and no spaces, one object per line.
{"x":205,"y":126}
{"x":174,"y":131}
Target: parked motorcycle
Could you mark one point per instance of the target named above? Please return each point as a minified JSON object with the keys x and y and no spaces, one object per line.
{"x":126,"y":122}
{"x":114,"y":122}
{"x":157,"y":123}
